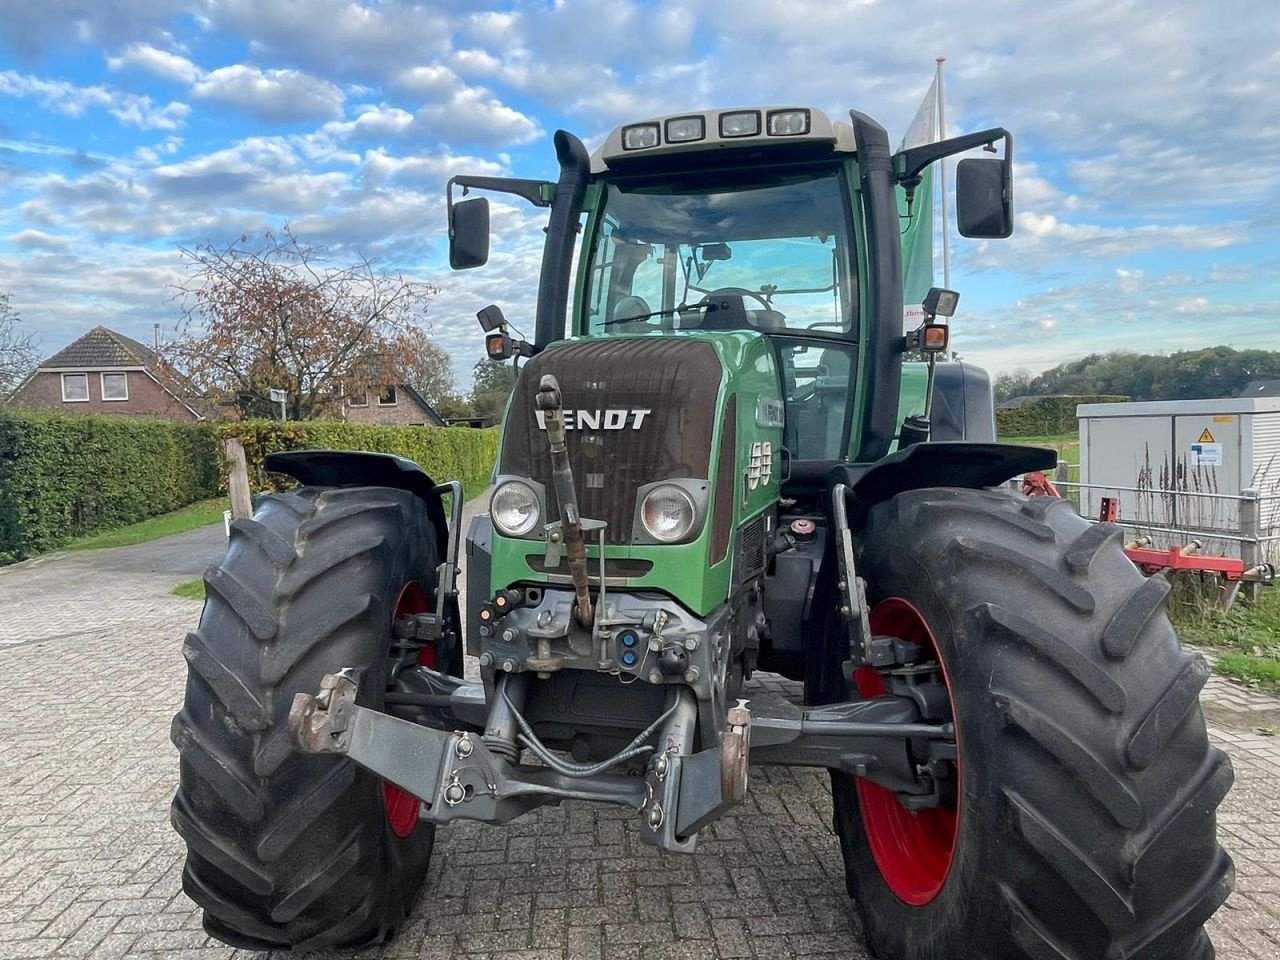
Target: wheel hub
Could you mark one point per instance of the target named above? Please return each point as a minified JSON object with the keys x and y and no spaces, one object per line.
{"x":913,"y":849}
{"x":401,"y":806}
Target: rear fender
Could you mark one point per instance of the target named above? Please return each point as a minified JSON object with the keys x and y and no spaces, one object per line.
{"x":350,"y":468}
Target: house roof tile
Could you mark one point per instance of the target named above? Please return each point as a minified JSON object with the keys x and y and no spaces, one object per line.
{"x":101,"y":347}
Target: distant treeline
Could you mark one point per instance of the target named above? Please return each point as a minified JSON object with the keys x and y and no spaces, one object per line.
{"x":1187,"y":375}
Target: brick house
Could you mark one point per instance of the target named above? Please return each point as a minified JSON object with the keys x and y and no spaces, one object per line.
{"x":105,"y":372}
{"x":393,"y":406}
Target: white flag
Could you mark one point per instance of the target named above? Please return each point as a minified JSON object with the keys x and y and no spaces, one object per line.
{"x":924,"y":124}
{"x":917,"y":235}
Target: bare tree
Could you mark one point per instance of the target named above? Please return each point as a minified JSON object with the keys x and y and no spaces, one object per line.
{"x":274,"y":313}
{"x":18,"y":355}
{"x":429,"y":370}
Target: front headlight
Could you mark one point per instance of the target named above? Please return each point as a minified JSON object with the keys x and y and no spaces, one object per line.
{"x":514,"y":509}
{"x":667,"y":513}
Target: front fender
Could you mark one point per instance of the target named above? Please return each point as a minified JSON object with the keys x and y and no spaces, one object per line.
{"x":358,"y":468}
{"x":940,"y":463}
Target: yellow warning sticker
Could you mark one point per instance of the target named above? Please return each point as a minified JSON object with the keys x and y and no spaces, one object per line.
{"x":1224,"y":419}
{"x":1206,"y":436}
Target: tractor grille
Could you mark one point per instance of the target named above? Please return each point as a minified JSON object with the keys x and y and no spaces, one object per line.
{"x":605,"y":384}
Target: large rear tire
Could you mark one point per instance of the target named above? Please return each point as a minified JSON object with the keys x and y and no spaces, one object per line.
{"x":1085,"y":821}
{"x":287,"y":850}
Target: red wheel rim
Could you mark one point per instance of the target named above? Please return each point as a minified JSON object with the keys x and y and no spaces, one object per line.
{"x":913,"y":850}
{"x":402,"y":806}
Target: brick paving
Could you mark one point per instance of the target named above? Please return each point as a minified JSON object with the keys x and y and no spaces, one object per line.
{"x":90,"y":868}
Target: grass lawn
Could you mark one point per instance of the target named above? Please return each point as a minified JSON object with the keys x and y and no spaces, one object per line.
{"x":192,"y":589}
{"x":199,"y":514}
{"x":1246,"y":638}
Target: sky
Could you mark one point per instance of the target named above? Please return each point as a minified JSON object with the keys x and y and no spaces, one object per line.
{"x":1147,"y":179}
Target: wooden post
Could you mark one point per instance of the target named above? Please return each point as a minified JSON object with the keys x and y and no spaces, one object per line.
{"x":237,"y":479}
{"x":1061,"y":474}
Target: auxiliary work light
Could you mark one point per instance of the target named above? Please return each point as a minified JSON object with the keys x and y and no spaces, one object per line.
{"x":685,"y":129}
{"x":743,"y":123}
{"x":639,"y":137}
{"x":788,"y":123}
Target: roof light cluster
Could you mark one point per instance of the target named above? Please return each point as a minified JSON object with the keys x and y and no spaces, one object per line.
{"x":733,"y":124}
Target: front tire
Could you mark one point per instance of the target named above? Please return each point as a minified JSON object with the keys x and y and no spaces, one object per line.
{"x":287,"y":850}
{"x":1084,"y":826}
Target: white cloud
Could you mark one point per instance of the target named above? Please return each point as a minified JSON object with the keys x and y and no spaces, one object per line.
{"x":130,"y":109}
{"x":32,"y":28}
{"x":473,"y":115}
{"x":281,"y":96}
{"x":456,"y":112}
{"x":37,"y":240}
{"x":430,"y":170}
{"x":153,"y":60}
{"x":372,"y":122}
{"x":337,"y":37}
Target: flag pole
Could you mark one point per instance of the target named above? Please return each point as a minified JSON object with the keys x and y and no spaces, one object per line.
{"x":942,"y":180}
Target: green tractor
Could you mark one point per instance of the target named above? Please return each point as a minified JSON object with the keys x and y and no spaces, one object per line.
{"x":726,"y":464}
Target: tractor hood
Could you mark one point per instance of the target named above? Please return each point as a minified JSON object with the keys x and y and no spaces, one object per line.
{"x":690,"y":408}
{"x":636,"y":411}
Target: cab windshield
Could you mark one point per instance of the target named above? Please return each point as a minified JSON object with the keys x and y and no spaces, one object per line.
{"x":771,"y":255}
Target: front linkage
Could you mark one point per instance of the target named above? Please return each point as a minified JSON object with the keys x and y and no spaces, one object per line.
{"x":468,"y":768}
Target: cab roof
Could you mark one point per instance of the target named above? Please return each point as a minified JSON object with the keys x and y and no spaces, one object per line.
{"x":713,"y":130}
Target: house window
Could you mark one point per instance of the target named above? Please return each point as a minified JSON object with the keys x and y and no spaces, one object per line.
{"x":388,"y":397}
{"x":115,"y":386}
{"x":360,"y":399}
{"x":75,"y":388}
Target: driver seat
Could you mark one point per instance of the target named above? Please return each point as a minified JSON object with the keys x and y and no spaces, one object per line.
{"x":633,"y":309}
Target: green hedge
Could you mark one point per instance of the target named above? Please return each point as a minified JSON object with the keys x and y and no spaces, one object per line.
{"x":63,"y":477}
{"x":1045,"y":416}
{"x":454,"y":453}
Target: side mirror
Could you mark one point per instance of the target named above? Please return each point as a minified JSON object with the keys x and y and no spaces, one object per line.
{"x":469,"y":233}
{"x":984,"y":198}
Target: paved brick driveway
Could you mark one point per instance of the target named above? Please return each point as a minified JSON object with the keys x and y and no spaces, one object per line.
{"x":90,"y":656}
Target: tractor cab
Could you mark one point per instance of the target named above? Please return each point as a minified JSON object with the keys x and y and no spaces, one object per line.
{"x":767,"y":221}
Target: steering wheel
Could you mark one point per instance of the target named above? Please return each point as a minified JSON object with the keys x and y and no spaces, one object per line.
{"x":766,"y":318}
{"x":734,"y":292}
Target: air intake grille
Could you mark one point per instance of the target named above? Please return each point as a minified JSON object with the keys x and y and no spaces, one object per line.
{"x":751,"y":549}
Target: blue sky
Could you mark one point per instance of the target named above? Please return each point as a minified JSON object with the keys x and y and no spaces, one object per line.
{"x":1148,"y":189}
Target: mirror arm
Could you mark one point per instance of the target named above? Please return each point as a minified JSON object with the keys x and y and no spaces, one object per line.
{"x":540,"y":193}
{"x":911,"y":163}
